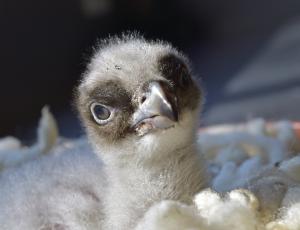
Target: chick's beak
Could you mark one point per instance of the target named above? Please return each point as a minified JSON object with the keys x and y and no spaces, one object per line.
{"x":158,"y":108}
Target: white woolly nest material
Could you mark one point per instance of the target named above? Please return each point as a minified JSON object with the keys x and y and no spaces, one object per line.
{"x":13,"y":154}
{"x":254,"y":168}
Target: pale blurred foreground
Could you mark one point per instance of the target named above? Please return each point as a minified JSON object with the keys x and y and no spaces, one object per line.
{"x":253,"y":158}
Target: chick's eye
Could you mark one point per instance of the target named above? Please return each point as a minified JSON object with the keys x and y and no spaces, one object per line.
{"x":100,"y":113}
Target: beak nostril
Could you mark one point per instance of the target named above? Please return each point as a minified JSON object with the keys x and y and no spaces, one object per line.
{"x":156,"y":100}
{"x":143,"y":99}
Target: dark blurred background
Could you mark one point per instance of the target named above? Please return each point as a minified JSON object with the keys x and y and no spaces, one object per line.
{"x":246,"y":52}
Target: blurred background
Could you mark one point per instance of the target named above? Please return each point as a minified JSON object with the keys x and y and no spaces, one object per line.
{"x":247,"y":54}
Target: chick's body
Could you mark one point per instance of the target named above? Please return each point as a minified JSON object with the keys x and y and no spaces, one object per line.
{"x":139,"y":104}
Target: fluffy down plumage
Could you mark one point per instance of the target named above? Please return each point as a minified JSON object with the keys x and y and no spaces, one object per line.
{"x":70,"y":187}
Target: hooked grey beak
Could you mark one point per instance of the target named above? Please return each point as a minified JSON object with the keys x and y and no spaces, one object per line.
{"x":157,"y":110}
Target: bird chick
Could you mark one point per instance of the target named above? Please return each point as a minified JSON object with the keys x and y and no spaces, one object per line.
{"x":140,"y":104}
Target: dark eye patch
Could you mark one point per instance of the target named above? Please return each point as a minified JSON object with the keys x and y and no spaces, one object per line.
{"x":111,"y":94}
{"x":174,"y":69}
